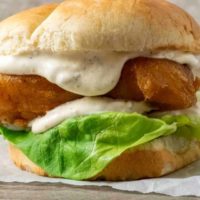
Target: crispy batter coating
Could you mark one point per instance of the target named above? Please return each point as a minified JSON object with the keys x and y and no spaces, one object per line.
{"x":24,"y":98}
{"x":165,"y":84}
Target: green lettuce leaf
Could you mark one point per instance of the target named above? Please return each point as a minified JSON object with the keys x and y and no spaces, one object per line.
{"x":187,"y":126}
{"x":81,"y":147}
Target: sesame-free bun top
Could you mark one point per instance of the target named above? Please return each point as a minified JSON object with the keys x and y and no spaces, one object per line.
{"x":103,"y":25}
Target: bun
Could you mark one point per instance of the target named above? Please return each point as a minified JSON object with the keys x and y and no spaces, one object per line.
{"x":16,"y":31}
{"x":103,"y":25}
{"x":154,"y":159}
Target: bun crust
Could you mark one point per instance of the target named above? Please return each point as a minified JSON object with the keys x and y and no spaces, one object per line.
{"x":154,"y":159}
{"x":105,"y":25}
{"x":16,"y":31}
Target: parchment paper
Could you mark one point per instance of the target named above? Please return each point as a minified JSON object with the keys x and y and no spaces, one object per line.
{"x":182,"y":183}
{"x":185,"y":182}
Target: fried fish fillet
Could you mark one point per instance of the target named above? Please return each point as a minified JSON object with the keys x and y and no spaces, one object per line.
{"x":23,"y":98}
{"x":165,"y":84}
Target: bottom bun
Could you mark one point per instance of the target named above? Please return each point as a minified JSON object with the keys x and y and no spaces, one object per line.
{"x":154,"y":159}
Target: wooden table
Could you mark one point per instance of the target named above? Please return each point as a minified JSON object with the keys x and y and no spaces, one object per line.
{"x":38,"y":191}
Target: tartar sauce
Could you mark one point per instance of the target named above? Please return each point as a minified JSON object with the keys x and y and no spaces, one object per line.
{"x":84,"y":73}
{"x":85,"y":106}
{"x":88,"y":74}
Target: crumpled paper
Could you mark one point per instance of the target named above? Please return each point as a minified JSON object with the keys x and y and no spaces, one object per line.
{"x":185,"y":182}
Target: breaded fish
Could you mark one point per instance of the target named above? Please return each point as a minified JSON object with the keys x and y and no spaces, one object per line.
{"x":165,"y":84}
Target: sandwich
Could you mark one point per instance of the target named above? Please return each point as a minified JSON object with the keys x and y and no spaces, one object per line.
{"x":101,"y":89}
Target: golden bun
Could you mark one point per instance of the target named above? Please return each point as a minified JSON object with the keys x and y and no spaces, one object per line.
{"x":154,"y":159}
{"x":103,"y":25}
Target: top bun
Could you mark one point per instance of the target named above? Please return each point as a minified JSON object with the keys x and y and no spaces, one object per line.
{"x":103,"y":25}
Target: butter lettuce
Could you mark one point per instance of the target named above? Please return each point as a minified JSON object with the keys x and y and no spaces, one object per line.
{"x":187,"y":126}
{"x":81,"y":147}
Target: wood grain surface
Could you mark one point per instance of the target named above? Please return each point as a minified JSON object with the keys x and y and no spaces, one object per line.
{"x":38,"y":191}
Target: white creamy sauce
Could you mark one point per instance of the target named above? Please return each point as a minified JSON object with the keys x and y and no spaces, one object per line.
{"x":85,"y":106}
{"x":85,"y":73}
{"x":179,"y":57}
{"x":192,"y":111}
